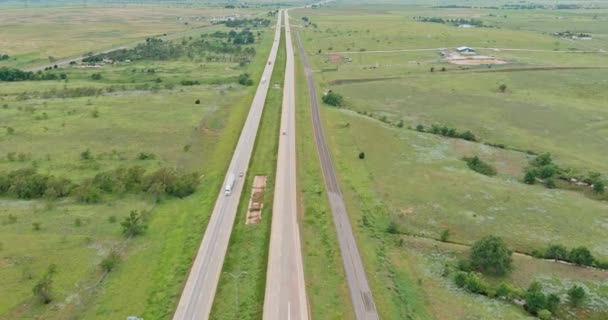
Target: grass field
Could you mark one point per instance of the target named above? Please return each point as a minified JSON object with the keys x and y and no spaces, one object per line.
{"x":24,"y":32}
{"x":138,"y":111}
{"x":418,"y":182}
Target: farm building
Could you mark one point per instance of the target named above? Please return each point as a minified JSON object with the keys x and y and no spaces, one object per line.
{"x":465,"y":50}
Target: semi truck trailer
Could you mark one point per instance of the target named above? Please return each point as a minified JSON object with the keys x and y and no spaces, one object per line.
{"x":229,"y":184}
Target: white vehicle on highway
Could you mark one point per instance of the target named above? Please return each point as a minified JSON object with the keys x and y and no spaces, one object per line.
{"x":263,"y":79}
{"x":229,"y":184}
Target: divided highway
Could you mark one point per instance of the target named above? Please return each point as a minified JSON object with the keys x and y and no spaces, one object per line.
{"x":197,"y":298}
{"x":363,"y":302}
{"x":285,"y":297}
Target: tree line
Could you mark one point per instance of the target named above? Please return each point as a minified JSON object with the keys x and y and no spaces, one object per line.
{"x":14,"y":74}
{"x":27,"y":183}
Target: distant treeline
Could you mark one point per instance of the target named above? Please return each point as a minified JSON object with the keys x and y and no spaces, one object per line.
{"x":13,"y":74}
{"x":241,"y":23}
{"x":157,"y":49}
{"x":454,"y":22}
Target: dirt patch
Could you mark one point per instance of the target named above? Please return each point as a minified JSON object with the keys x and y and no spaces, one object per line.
{"x":335,"y":58}
{"x":256,"y":202}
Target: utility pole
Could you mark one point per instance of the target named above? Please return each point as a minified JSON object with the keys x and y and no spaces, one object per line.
{"x":236,"y":277}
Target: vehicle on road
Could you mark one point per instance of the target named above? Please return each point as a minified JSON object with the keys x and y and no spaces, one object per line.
{"x":263,"y":79}
{"x":269,"y":62}
{"x":241,"y":174}
{"x":284,"y":132}
{"x":229,"y":184}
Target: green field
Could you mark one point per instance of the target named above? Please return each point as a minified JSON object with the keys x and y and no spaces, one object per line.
{"x":417,"y":183}
{"x":24,"y":32}
{"x":142,"y":109}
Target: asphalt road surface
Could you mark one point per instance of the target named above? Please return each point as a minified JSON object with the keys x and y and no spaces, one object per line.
{"x":197,"y":298}
{"x":285,"y":297}
{"x":363,"y":302}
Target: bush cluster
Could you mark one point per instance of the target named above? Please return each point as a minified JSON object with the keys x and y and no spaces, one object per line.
{"x":245,"y":79}
{"x":447,"y":132}
{"x":333,"y":99}
{"x":579,"y":255}
{"x":13,"y":74}
{"x":28,"y":184}
{"x":477,"y":165}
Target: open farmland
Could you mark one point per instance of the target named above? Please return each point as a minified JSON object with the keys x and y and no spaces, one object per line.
{"x":24,"y":32}
{"x":180,"y":113}
{"x":415,"y":205}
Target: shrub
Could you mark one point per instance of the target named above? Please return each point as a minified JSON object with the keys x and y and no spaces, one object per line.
{"x":544,"y":314}
{"x":392,"y":228}
{"x":86,"y":155}
{"x":460,"y":279}
{"x":491,"y":255}
{"x":245,"y":79}
{"x":576,"y":295}
{"x":502,"y":88}
{"x":110,"y":261}
{"x":43,"y":288}
{"x":479,"y":166}
{"x":581,"y":256}
{"x":145,"y":156}
{"x":445,"y":234}
{"x":36,"y":226}
{"x":96,"y":76}
{"x":549,"y":183}
{"x":535,"y":298}
{"x":88,"y":193}
{"x":598,"y":186}
{"x":361,"y":155}
{"x":556,"y":252}
{"x":333,"y":99}
{"x":420,"y":128}
{"x":133,"y":224}
{"x":553,"y":301}
{"x":530,"y":177}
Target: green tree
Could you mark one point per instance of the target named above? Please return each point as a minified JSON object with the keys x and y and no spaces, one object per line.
{"x":581,"y":256}
{"x":43,"y":288}
{"x":502,"y":88}
{"x":109,"y":263}
{"x":576,"y":295}
{"x":598,"y":186}
{"x":333,"y":99}
{"x":491,"y":255}
{"x":553,"y":301}
{"x":530,"y":177}
{"x":133,"y":224}
{"x":445,"y":234}
{"x":535,"y":298}
{"x":557,"y":252}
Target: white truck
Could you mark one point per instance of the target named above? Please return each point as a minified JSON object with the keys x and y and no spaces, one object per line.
{"x":229,"y":184}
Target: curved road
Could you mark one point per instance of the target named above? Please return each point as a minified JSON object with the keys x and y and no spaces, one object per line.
{"x":197,"y":298}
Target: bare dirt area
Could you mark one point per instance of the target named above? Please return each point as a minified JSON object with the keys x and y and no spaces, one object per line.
{"x":256,"y":202}
{"x":335,"y":58}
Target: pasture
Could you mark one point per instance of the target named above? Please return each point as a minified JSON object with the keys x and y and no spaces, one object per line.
{"x":135,"y":113}
{"x":414,"y":185}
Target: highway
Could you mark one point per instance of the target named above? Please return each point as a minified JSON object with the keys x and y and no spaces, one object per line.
{"x":285,"y":297}
{"x":198,"y":294}
{"x":363,"y":302}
